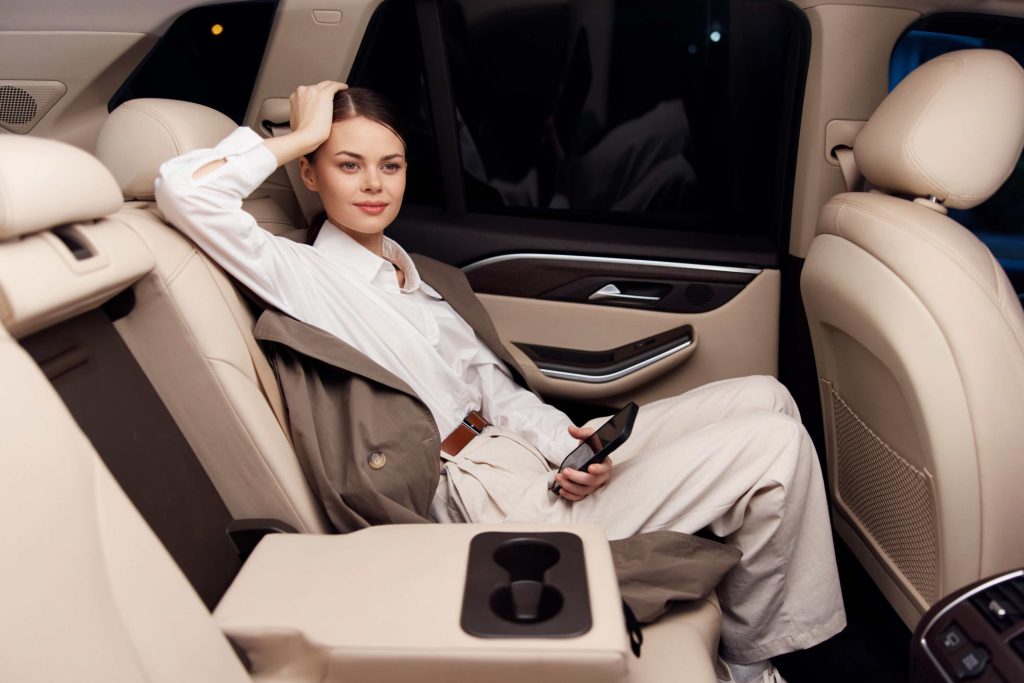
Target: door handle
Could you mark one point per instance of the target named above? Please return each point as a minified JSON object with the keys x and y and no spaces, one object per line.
{"x":613,"y":293}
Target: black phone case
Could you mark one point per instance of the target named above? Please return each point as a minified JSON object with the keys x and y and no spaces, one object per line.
{"x":607,"y":450}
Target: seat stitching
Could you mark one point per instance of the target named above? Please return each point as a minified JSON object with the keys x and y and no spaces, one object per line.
{"x":223,"y":394}
{"x":263,"y":461}
{"x":164,"y":122}
{"x":926,"y":236}
{"x":908,"y":148}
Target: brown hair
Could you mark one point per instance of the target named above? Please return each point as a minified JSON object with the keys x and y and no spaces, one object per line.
{"x":349,"y":104}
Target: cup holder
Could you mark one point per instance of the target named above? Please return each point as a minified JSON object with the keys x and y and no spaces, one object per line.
{"x":526,"y":599}
{"x":527,"y":585}
{"x":526,"y":602}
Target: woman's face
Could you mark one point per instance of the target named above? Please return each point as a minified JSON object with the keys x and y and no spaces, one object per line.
{"x":360,"y":175}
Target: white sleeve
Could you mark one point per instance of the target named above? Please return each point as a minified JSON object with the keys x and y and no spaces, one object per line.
{"x":508,"y":405}
{"x":209,"y":211}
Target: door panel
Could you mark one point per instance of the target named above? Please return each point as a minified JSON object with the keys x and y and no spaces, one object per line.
{"x":612,"y":281}
{"x":738,"y":338}
{"x":596,"y":203}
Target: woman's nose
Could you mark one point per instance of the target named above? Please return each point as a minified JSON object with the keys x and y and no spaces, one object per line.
{"x":371,"y":181}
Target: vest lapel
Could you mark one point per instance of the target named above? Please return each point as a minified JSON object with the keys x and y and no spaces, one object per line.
{"x":451,"y":284}
{"x":311,"y":341}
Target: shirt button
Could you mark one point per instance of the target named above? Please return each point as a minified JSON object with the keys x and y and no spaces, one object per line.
{"x":377,"y":459}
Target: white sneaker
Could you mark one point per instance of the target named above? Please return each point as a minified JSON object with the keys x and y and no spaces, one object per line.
{"x":772,"y":675}
{"x":724,"y":673}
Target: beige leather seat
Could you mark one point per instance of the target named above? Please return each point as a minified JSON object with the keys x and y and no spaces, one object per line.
{"x":88,"y":593}
{"x":86,"y":560}
{"x":919,"y":337}
{"x":191,"y":331}
{"x":188,"y":331}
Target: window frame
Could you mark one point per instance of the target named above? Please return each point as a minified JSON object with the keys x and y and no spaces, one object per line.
{"x":549,"y":232}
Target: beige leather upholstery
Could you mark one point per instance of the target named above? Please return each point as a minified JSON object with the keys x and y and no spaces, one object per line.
{"x":284,"y":610}
{"x":189,"y":326}
{"x":919,"y":343}
{"x":42,"y":282}
{"x":93,"y":596}
{"x":187,"y":332}
{"x":88,"y":592}
{"x":952,"y":129}
{"x":34,"y":198}
{"x":141,"y":134}
{"x":44,"y":184}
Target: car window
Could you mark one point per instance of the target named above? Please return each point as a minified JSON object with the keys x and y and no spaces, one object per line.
{"x":996,"y":222}
{"x":667,"y":114}
{"x":209,"y":55}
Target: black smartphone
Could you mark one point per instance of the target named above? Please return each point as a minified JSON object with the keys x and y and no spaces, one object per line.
{"x":599,"y":445}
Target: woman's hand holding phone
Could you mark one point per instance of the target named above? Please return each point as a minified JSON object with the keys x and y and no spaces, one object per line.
{"x":576,"y":485}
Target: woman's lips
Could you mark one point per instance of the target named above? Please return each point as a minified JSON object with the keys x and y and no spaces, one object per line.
{"x":372,"y":208}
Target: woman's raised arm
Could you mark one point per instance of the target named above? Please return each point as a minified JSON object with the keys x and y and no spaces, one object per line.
{"x":201,"y":193}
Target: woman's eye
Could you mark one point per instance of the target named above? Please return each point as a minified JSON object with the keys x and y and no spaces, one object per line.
{"x":392,"y":167}
{"x":349,"y":166}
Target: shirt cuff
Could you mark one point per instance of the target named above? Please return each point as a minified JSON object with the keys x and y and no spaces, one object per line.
{"x":249,"y":162}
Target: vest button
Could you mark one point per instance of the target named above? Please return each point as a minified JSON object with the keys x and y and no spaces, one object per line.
{"x":377,"y":459}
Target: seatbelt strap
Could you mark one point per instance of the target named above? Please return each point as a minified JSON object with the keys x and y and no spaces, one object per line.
{"x":309,"y":202}
{"x":848,"y":165}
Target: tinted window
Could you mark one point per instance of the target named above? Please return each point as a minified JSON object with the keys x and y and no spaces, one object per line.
{"x":661,"y":113}
{"x":391,"y":62}
{"x":997,"y":221}
{"x":210,"y":55}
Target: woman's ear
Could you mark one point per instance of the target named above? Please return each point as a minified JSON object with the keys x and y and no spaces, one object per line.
{"x":308,"y":174}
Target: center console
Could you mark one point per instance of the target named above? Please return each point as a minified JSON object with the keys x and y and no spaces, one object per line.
{"x":975,"y":634}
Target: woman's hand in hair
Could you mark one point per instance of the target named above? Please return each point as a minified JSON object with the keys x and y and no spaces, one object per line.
{"x":313,"y":110}
{"x":312,"y":114}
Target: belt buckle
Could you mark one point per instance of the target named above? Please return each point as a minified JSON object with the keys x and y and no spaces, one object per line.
{"x":466,"y":423}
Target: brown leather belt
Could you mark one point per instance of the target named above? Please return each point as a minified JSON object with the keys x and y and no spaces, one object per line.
{"x":470,"y":426}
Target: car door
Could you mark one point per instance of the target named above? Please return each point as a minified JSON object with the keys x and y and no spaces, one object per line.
{"x":613,"y":178}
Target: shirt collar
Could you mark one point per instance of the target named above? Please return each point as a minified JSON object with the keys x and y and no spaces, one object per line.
{"x":345,"y":251}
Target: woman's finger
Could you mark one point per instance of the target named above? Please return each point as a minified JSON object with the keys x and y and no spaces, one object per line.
{"x":581,"y":478}
{"x":570,"y":496}
{"x":579,"y":432}
{"x":572,"y":487}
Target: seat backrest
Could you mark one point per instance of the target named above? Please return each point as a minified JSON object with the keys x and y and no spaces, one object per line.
{"x":190,"y":329}
{"x":88,"y":593}
{"x":919,"y":337}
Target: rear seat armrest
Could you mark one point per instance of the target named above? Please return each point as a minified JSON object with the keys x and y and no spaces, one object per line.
{"x":246,"y":533}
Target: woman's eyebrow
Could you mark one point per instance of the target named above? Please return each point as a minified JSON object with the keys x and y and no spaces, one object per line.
{"x":388,"y":157}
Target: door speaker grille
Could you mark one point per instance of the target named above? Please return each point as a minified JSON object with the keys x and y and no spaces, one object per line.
{"x":24,"y":103}
{"x":16,"y":105}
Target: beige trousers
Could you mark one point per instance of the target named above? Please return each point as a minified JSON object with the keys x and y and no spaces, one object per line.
{"x":731,"y":457}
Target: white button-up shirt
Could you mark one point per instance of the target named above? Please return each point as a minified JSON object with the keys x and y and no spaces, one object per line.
{"x":341,"y":287}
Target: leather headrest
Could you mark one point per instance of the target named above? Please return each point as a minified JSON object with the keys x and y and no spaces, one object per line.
{"x":952,"y":129}
{"x":141,"y":134}
{"x":45,"y":183}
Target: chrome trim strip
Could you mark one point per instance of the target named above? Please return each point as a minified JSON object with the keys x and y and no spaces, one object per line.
{"x":607,"y":259}
{"x":599,"y":379}
{"x":942,"y":612}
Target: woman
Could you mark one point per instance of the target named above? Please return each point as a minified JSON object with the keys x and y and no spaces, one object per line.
{"x":730,"y":456}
